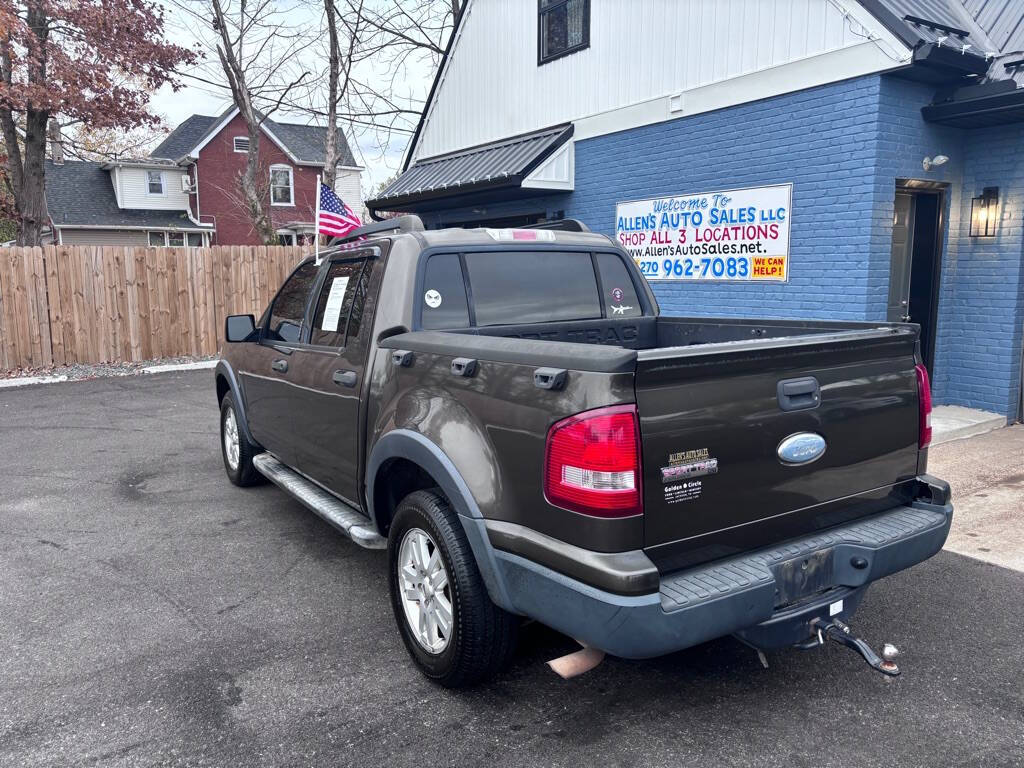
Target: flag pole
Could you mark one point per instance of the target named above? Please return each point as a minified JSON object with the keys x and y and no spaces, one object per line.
{"x":316,"y":223}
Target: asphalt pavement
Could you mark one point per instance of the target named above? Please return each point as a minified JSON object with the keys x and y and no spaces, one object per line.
{"x":153,"y":614}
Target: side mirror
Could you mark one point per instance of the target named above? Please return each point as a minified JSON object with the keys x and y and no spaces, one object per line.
{"x":240,"y":328}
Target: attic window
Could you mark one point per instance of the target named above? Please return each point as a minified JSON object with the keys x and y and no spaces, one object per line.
{"x":241,"y":143}
{"x":563,"y":28}
{"x":155,"y":182}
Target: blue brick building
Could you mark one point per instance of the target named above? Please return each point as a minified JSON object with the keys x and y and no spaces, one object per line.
{"x":895,"y":136}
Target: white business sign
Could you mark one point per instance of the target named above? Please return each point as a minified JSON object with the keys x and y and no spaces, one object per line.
{"x":740,"y":234}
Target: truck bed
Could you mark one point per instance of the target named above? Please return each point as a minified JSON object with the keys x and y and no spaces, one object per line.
{"x":619,"y":343}
{"x":710,"y":390}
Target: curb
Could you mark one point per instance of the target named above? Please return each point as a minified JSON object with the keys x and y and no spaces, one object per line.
{"x":25,"y":381}
{"x":180,"y":367}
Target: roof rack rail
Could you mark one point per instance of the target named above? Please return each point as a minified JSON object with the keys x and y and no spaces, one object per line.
{"x":407,"y":223}
{"x":561,"y":225}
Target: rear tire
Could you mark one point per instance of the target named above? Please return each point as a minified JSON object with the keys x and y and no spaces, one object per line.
{"x":235,"y":448}
{"x":454,"y":633}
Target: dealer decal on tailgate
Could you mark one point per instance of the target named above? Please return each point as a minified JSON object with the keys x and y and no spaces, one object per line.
{"x":679,"y":475}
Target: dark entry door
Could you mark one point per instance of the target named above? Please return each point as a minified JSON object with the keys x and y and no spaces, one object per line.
{"x":914,"y":269}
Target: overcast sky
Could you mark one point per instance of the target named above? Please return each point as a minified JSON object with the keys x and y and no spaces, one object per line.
{"x":196,"y":98}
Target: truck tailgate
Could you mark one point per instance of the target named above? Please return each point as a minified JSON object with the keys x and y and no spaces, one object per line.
{"x":717,"y":477}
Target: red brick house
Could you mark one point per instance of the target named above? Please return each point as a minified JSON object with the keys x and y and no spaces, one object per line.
{"x":213,"y":149}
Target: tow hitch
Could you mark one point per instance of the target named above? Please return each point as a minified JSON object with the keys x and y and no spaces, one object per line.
{"x":839,"y":632}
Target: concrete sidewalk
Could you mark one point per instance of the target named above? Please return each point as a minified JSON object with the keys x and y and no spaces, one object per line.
{"x":987,"y":476}
{"x":954,"y":422}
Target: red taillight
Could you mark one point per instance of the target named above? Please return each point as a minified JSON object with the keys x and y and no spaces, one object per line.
{"x":924,"y":402}
{"x":592,"y":463}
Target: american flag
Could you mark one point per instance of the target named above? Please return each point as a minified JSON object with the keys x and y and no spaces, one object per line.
{"x":336,"y":218}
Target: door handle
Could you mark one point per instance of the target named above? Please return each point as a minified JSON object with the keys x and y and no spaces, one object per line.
{"x":345,"y":378}
{"x":798,"y":394}
{"x":280,"y":365}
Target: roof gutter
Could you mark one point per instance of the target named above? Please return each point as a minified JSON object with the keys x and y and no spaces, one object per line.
{"x":136,"y":228}
{"x":949,"y":60}
{"x":111,"y":165}
{"x":394,"y":203}
{"x":945,"y":59}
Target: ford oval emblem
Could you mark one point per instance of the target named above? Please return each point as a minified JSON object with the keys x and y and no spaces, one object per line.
{"x":801,"y":448}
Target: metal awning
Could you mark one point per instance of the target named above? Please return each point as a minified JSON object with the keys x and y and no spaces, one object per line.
{"x":498,"y":165}
{"x":995,"y":103}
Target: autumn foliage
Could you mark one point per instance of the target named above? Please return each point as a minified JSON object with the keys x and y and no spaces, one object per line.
{"x":92,"y":62}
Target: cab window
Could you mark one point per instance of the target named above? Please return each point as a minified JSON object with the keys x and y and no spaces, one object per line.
{"x":340,"y":304}
{"x":289,"y":307}
{"x":518,"y":287}
{"x":444,"y":293}
{"x":619,"y":293}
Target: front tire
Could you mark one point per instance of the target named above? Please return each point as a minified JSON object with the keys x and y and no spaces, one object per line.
{"x":452,"y":630}
{"x":235,"y":448}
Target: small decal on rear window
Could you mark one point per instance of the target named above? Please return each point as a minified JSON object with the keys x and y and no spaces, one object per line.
{"x":618,"y":294}
{"x":432,"y":299}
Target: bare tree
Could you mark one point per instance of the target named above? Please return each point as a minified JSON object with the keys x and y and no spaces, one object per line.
{"x":340,"y":64}
{"x":258,"y":53}
{"x":406,"y":38}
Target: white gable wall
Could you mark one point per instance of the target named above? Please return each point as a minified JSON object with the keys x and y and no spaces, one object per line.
{"x":347,"y":185}
{"x":132,"y":189}
{"x":642,"y":54}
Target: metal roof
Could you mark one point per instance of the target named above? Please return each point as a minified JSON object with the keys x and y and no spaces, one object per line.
{"x":942,"y":13}
{"x":1002,"y":20}
{"x":503,"y":163}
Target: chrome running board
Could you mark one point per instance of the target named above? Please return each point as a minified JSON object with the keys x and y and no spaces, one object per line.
{"x":349,"y":521}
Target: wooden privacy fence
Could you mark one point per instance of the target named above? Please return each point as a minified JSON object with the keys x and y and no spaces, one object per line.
{"x":80,"y":304}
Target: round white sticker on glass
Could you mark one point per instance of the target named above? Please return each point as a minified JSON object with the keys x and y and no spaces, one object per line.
{"x":432,"y":299}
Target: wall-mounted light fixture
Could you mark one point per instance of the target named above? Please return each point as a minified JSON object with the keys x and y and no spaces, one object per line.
{"x":934,"y":162}
{"x":983,"y":213}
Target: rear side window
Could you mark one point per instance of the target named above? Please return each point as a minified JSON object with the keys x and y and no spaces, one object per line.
{"x":619,"y":292}
{"x":336,"y":302}
{"x":514,"y":287}
{"x":444,"y":293}
{"x":289,"y":307}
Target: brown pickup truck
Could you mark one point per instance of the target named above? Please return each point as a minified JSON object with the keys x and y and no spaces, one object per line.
{"x":508,"y":414}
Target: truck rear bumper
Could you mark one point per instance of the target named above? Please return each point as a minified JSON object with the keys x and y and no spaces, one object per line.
{"x":766,"y":597}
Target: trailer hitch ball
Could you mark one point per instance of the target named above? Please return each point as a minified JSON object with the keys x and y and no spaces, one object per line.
{"x":889,"y":654}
